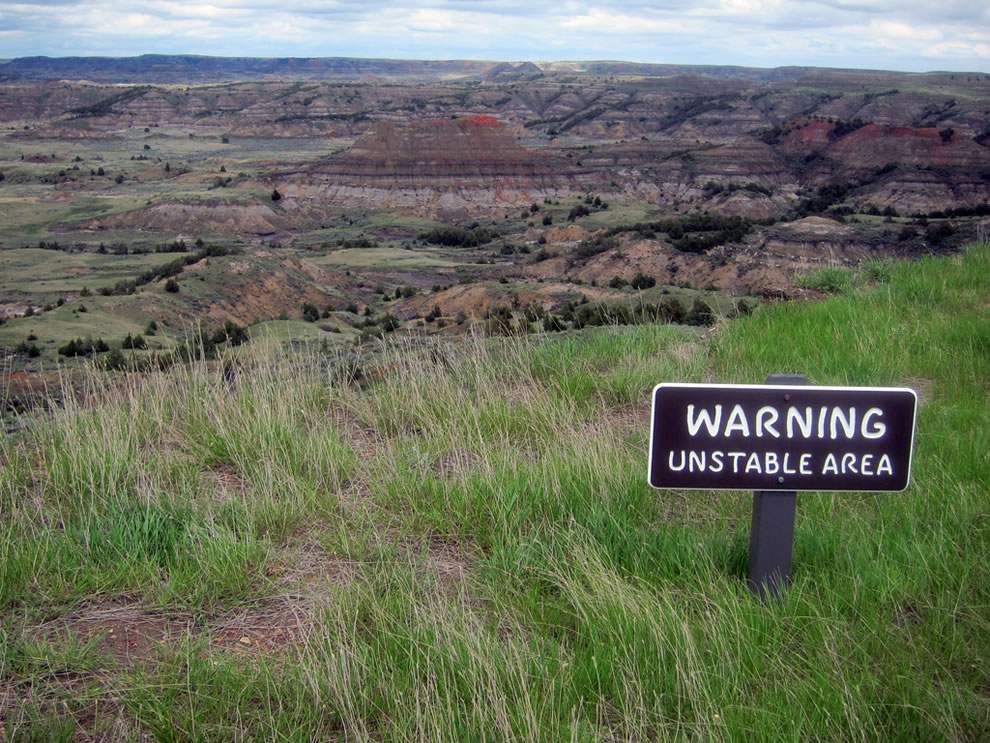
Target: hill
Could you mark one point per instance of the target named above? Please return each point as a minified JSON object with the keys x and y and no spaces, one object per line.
{"x":455,"y":540}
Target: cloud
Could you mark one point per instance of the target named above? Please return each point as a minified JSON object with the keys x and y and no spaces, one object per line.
{"x":897,"y":34}
{"x":600,"y":21}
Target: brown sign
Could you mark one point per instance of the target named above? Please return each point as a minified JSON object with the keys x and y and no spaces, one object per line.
{"x":768,"y":437}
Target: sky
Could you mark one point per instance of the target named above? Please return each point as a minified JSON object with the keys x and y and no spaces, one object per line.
{"x":910,"y":35}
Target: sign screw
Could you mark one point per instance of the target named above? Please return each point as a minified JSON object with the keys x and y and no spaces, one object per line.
{"x":780,"y":479}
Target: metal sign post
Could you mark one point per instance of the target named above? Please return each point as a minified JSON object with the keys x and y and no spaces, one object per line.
{"x":776,"y":439}
{"x":771,"y":534}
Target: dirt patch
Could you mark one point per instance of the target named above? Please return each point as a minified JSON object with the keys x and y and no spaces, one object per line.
{"x":128,"y":633}
{"x":634,"y":416}
{"x":366,"y":439}
{"x":447,"y":562}
{"x":922,"y":385}
{"x":224,"y":482}
{"x":456,"y":464}
{"x":308,"y":569}
{"x":134,"y":635}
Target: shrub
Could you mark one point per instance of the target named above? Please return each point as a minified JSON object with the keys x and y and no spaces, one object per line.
{"x":76,"y":347}
{"x":642,"y":281}
{"x":670,"y":309}
{"x":827,"y":279}
{"x":594,"y":245}
{"x":578,"y":211}
{"x":172,"y":286}
{"x":878,"y":269}
{"x":936,"y":233}
{"x":458,"y":237}
{"x":389,"y":322}
{"x":136,"y":342}
{"x":701,"y":314}
{"x":231,"y":333}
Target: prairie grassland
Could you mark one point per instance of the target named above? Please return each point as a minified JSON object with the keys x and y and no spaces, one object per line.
{"x":457,"y":542}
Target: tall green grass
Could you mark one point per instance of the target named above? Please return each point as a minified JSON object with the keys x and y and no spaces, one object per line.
{"x":464,"y":546}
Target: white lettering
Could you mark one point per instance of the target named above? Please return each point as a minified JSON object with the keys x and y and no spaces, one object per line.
{"x":878,"y":430}
{"x":753,"y":463}
{"x":822,"y":414}
{"x":884,"y":466}
{"x":849,"y":460}
{"x":864,"y":465}
{"x":767,"y":412}
{"x":805,"y":424}
{"x":736,"y":456}
{"x":717,"y":464}
{"x":848,"y":423}
{"x":694,"y":424}
{"x":805,"y":464}
{"x":787,"y":461}
{"x":670,"y":462}
{"x":772,"y":463}
{"x":737,"y":422}
{"x":696,"y":460}
{"x":831,"y":467}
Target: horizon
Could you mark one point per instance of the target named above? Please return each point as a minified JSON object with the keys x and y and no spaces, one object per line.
{"x":867,"y":34}
{"x":491,"y":60}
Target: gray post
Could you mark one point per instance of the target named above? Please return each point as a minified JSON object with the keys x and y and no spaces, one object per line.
{"x":771,"y":535}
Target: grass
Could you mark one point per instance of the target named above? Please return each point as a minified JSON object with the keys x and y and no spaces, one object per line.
{"x":458,"y":543}
{"x":826,"y":279}
{"x":41,"y":275}
{"x":387,"y":259}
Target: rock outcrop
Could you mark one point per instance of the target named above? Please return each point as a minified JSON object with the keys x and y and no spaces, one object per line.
{"x":432,"y":166}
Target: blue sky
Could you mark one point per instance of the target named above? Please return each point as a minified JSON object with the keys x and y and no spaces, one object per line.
{"x":887,"y":34}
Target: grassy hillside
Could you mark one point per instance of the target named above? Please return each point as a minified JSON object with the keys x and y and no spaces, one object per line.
{"x":459,"y":544}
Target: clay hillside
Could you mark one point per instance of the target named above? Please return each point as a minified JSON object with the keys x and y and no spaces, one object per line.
{"x":365,"y":196}
{"x":658,"y":134}
{"x":472,"y":161}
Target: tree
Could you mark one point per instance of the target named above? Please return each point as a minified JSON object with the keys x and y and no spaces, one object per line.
{"x":700,"y":314}
{"x":642,"y":281}
{"x":310,"y":313}
{"x":136,"y":342}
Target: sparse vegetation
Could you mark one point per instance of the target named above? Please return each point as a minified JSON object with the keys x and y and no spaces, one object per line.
{"x":465,"y":546}
{"x":827,"y":279}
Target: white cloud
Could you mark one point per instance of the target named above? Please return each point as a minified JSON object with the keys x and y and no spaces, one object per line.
{"x":600,"y":21}
{"x":957,"y":50}
{"x":899,"y":34}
